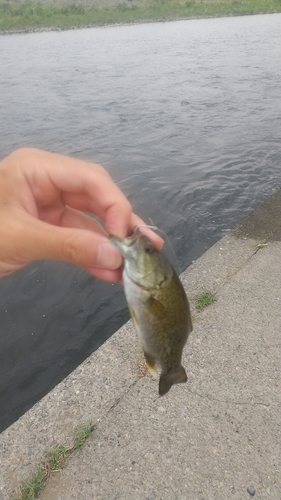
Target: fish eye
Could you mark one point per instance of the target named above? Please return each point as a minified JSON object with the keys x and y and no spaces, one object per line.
{"x":148,"y":249}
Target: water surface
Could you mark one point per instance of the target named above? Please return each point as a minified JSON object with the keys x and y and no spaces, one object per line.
{"x":186,"y":118}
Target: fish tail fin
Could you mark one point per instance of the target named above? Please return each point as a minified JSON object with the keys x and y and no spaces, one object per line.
{"x":166,"y":381}
{"x":150,"y":363}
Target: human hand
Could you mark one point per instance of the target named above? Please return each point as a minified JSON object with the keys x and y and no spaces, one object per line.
{"x":42,"y":200}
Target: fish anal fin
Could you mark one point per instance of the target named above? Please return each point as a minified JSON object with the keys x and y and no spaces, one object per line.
{"x":168,"y":380}
{"x":150,"y":363}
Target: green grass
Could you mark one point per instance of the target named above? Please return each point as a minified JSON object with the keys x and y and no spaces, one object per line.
{"x":32,"y":15}
{"x":82,"y":434}
{"x":261,"y":244}
{"x":54,"y":461}
{"x":204,"y":299}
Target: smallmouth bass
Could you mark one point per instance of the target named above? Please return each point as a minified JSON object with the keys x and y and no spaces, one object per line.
{"x":158,"y":306}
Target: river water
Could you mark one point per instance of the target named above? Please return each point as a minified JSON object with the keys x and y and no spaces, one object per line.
{"x":185,"y":116}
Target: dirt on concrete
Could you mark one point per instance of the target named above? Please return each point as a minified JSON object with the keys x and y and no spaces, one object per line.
{"x":264,"y":223}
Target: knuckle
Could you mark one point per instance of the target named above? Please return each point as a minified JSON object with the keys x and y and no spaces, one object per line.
{"x":21,"y":153}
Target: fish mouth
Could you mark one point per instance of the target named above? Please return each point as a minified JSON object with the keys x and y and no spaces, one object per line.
{"x":125,"y":244}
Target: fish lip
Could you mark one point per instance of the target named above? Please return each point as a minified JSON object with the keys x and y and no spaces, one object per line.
{"x":130,"y":240}
{"x":121,"y":244}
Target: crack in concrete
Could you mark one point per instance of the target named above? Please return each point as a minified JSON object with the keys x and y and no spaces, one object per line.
{"x":229,"y":401}
{"x":115,"y":404}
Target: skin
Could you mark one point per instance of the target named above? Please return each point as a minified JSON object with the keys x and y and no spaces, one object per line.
{"x":43,"y":197}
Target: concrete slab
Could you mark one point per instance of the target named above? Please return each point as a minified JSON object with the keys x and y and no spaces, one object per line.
{"x":213,"y":438}
{"x":210,"y":438}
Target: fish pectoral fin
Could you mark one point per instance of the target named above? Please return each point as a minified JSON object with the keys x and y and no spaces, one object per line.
{"x":133,"y":316}
{"x":155,"y":307}
{"x":166,"y":381}
{"x":150,"y":363}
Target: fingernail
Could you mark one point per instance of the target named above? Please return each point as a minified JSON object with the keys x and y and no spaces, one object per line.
{"x":108,"y":256}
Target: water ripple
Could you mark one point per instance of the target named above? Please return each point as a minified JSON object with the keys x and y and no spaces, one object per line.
{"x":184,"y":115}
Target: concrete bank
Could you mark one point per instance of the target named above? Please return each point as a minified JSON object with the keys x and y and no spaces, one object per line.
{"x":209,"y":439}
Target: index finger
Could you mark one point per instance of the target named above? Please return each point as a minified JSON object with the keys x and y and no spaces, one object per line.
{"x":81,"y":185}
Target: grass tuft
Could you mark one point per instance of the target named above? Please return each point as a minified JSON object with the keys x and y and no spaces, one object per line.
{"x":261,"y":244}
{"x":54,"y":461}
{"x":204,"y":299}
{"x":82,"y":434}
{"x":56,"y":458}
{"x":31,"y":487}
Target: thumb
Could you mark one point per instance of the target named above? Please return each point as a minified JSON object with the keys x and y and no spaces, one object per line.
{"x":28,"y":239}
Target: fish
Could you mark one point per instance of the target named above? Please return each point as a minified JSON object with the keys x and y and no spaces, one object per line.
{"x":158,"y":306}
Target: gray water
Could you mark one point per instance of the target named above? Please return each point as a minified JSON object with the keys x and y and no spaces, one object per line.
{"x":186,"y":118}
